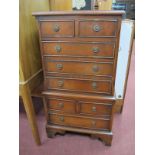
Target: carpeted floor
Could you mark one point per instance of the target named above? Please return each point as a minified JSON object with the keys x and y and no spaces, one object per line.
{"x":75,"y":144}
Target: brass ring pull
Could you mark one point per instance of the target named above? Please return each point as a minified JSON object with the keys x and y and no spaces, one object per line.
{"x":96,"y":28}
{"x":94,"y":109}
{"x":60,"y":105}
{"x":59,"y":66}
{"x":61,"y":118}
{"x":60,"y":83}
{"x":95,"y":68}
{"x":93,"y":123}
{"x":58,"y":48}
{"x":96,"y":50}
{"x":56,"y":28}
{"x":94,"y":85}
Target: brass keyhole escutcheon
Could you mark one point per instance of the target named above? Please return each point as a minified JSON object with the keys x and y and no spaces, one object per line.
{"x":95,"y":68}
{"x":94,"y":109}
{"x":58,"y":48}
{"x":59,"y":66}
{"x":60,"y":105}
{"x":94,"y":85}
{"x":93,"y":123}
{"x":61,"y":118}
{"x":60,"y":83}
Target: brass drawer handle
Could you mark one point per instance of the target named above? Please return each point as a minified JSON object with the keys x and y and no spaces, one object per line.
{"x":61,"y":118}
{"x":56,"y":28}
{"x":93,"y":109}
{"x":95,"y":68}
{"x":59,"y":66}
{"x":93,"y":123}
{"x":60,"y":83}
{"x":60,"y":105}
{"x":94,"y":85}
{"x":96,"y":50}
{"x":58,"y":48}
{"x":96,"y":28}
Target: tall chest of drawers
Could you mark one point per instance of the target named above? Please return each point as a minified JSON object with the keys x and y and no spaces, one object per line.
{"x":79,"y":56}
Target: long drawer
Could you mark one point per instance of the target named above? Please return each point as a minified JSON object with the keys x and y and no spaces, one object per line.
{"x":79,"y":121}
{"x":79,"y":49}
{"x":79,"y":85}
{"x":79,"y":67}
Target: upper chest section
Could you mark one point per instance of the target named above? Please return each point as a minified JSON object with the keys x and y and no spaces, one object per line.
{"x":79,"y":27}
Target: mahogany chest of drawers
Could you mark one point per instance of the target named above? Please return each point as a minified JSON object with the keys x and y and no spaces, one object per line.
{"x":79,"y":56}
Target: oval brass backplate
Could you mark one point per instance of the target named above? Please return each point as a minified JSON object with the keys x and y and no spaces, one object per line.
{"x":56,"y":28}
{"x":96,"y":50}
{"x":96,"y":28}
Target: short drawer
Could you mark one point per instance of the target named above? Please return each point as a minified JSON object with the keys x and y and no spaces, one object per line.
{"x":79,"y":49}
{"x":57,"y":28}
{"x":79,"y":67}
{"x":96,"y":109}
{"x":62,"y":105}
{"x":79,"y":121}
{"x":97,"y":28}
{"x":79,"y":85}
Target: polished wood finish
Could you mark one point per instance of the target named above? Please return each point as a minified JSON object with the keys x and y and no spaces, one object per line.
{"x":77,"y":13}
{"x":30,"y":68}
{"x":82,"y":67}
{"x":97,"y":109}
{"x":61,"y":105}
{"x":79,"y":85}
{"x":105,"y":136}
{"x":79,"y":55}
{"x":29,"y":52}
{"x":97,"y":28}
{"x":73,"y":49}
{"x":81,"y":122}
{"x":57,"y":28}
{"x":27,"y":101}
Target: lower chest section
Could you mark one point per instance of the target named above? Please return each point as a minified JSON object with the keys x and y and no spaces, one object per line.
{"x":80,"y":113}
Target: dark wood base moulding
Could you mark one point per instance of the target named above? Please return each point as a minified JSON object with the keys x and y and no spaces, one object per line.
{"x":104,"y":136}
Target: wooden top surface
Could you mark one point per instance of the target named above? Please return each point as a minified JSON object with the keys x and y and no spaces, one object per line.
{"x":90,"y":12}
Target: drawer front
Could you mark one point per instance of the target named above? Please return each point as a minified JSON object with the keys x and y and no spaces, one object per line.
{"x":66,"y":106}
{"x":79,"y":67}
{"x":80,"y":85}
{"x":100,"y":49}
{"x":96,"y":108}
{"x":78,"y":121}
{"x":57,"y":28}
{"x":98,"y":28}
